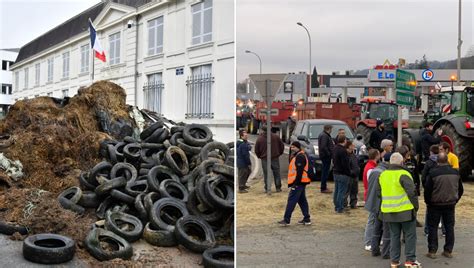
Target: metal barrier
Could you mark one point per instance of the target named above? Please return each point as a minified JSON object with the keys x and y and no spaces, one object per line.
{"x":199,"y":96}
{"x":153,"y":96}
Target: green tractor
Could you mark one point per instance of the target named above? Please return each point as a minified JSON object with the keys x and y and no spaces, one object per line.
{"x":453,"y":112}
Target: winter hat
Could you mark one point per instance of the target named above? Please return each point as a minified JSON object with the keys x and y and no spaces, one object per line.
{"x":297,"y":144}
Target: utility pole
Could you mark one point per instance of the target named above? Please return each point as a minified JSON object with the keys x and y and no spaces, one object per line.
{"x":459,"y":46}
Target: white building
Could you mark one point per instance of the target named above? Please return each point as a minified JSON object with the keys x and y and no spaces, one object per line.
{"x":7,"y":57}
{"x":175,"y":57}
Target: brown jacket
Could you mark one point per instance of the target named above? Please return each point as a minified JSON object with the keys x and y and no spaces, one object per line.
{"x":277,"y":147}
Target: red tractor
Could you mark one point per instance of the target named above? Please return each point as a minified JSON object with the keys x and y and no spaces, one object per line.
{"x":374,"y":109}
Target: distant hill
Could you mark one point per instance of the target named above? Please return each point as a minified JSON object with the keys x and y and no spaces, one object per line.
{"x":466,"y":63}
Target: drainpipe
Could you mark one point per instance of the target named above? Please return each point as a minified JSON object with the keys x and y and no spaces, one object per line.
{"x":137,"y":17}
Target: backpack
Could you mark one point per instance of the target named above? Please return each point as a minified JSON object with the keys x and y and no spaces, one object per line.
{"x":311,"y":168}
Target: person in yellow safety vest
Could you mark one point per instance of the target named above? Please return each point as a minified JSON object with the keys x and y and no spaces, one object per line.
{"x":399,"y":206}
{"x":297,"y":181}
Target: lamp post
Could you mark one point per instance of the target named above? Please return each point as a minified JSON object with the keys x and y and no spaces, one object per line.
{"x":259,"y":59}
{"x":309,"y":36}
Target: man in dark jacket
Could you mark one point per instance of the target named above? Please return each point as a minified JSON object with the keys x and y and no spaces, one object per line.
{"x":353,"y":187}
{"x":297,"y":181}
{"x":325,"y":147}
{"x":243,"y":160}
{"x":443,"y":189}
{"x":429,"y":165}
{"x":277,"y":148}
{"x":399,"y":206}
{"x":377,"y":135}
{"x":342,"y":173}
{"x":427,"y":139}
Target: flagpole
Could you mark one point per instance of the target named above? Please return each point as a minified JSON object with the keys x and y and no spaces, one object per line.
{"x":92,"y":53}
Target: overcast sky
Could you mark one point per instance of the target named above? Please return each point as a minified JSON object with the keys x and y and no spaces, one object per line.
{"x":21,"y":21}
{"x":347,"y":35}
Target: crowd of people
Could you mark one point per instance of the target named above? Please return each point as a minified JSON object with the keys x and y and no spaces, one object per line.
{"x":391,"y":181}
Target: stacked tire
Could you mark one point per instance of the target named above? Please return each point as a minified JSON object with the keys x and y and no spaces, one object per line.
{"x":172,"y":186}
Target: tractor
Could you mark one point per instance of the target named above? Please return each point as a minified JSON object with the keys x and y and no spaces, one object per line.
{"x":454,"y":114}
{"x":374,"y":109}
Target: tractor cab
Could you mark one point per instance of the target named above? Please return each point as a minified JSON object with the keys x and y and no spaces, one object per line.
{"x":374,"y":109}
{"x":456,"y":100}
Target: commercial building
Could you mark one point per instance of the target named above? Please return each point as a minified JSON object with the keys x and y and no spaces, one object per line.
{"x":175,"y":57}
{"x":7,"y":57}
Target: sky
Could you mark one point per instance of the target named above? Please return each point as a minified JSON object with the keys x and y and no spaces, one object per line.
{"x":21,"y":21}
{"x":347,"y":35}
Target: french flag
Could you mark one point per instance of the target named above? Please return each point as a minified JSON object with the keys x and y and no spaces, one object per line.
{"x":99,"y":52}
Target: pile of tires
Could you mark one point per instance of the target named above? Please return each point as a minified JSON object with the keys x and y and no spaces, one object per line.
{"x":173,"y":186}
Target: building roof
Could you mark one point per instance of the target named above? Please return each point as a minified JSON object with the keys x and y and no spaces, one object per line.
{"x":70,"y":28}
{"x":11,"y":49}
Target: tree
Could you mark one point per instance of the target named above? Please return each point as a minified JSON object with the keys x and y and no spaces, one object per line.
{"x":470,"y":52}
{"x":423,"y":63}
{"x":314,"y":79}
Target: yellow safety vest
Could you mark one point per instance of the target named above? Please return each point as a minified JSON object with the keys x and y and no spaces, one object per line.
{"x":394,"y":197}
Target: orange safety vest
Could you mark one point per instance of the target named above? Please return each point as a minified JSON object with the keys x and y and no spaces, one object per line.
{"x":292,"y":170}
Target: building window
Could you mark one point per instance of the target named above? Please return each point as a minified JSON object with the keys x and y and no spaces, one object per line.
{"x":202,"y":22}
{"x":26,"y":77}
{"x":50,"y":69}
{"x":65,"y":93}
{"x":37,"y":74}
{"x":66,"y":65}
{"x":17,"y":81}
{"x":114,"y":44}
{"x":6,"y":89}
{"x":4,"y":65}
{"x":49,"y":94}
{"x":85,"y":58}
{"x":199,"y":86}
{"x":155,"y":36}
{"x":152,"y":92}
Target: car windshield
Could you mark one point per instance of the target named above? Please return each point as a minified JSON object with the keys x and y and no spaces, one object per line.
{"x":470,"y":103}
{"x":383,"y":111}
{"x":316,"y":129}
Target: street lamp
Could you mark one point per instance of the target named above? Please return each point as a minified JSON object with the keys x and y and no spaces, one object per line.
{"x":309,"y":36}
{"x":259,"y":59}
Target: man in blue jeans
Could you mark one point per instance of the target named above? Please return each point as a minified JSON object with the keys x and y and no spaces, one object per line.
{"x":342,"y":173}
{"x":325,"y":147}
{"x":297,"y":180}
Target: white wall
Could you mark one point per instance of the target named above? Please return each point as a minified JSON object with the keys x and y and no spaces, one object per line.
{"x":177,"y":53}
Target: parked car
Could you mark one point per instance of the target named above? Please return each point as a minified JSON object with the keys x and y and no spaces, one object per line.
{"x":307,"y":133}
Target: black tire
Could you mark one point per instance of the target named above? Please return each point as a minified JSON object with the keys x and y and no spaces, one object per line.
{"x":151,"y":129}
{"x":140,"y":208}
{"x":198,"y":209}
{"x":214,"y":197}
{"x":176,"y":129}
{"x":202,"y":135}
{"x":113,"y":220}
{"x":215,"y":145}
{"x":158,"y":136}
{"x":131,"y":152}
{"x":159,"y":174}
{"x":159,"y":238}
{"x":9,"y":228}
{"x":73,"y":194}
{"x":173,"y":189}
{"x":223,"y":169}
{"x":174,"y":138}
{"x":201,"y":184}
{"x":176,"y":160}
{"x":102,"y":168}
{"x":105,"y":205}
{"x":107,"y":186}
{"x":89,"y":200}
{"x":112,"y":156}
{"x":462,"y":148}
{"x":137,"y":187}
{"x":174,"y":209}
{"x":122,"y":197}
{"x":194,"y":233}
{"x":48,"y":248}
{"x":69,"y":205}
{"x":84,"y":181}
{"x":232,"y":231}
{"x":219,"y":257}
{"x":93,"y":246}
{"x":126,"y":170}
{"x":365,"y":132}
{"x":149,"y":200}
{"x":119,"y":151}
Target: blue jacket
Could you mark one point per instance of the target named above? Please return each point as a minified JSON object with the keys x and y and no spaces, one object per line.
{"x":243,"y":154}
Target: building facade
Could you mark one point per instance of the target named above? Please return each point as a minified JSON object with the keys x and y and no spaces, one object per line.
{"x":175,"y":57}
{"x":7,"y":57}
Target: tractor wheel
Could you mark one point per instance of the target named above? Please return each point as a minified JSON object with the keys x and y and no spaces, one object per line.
{"x":365,"y":132}
{"x":462,"y":147}
{"x":283,"y":131}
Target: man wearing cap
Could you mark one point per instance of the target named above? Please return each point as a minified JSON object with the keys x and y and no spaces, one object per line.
{"x":377,"y":135}
{"x":297,"y":181}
